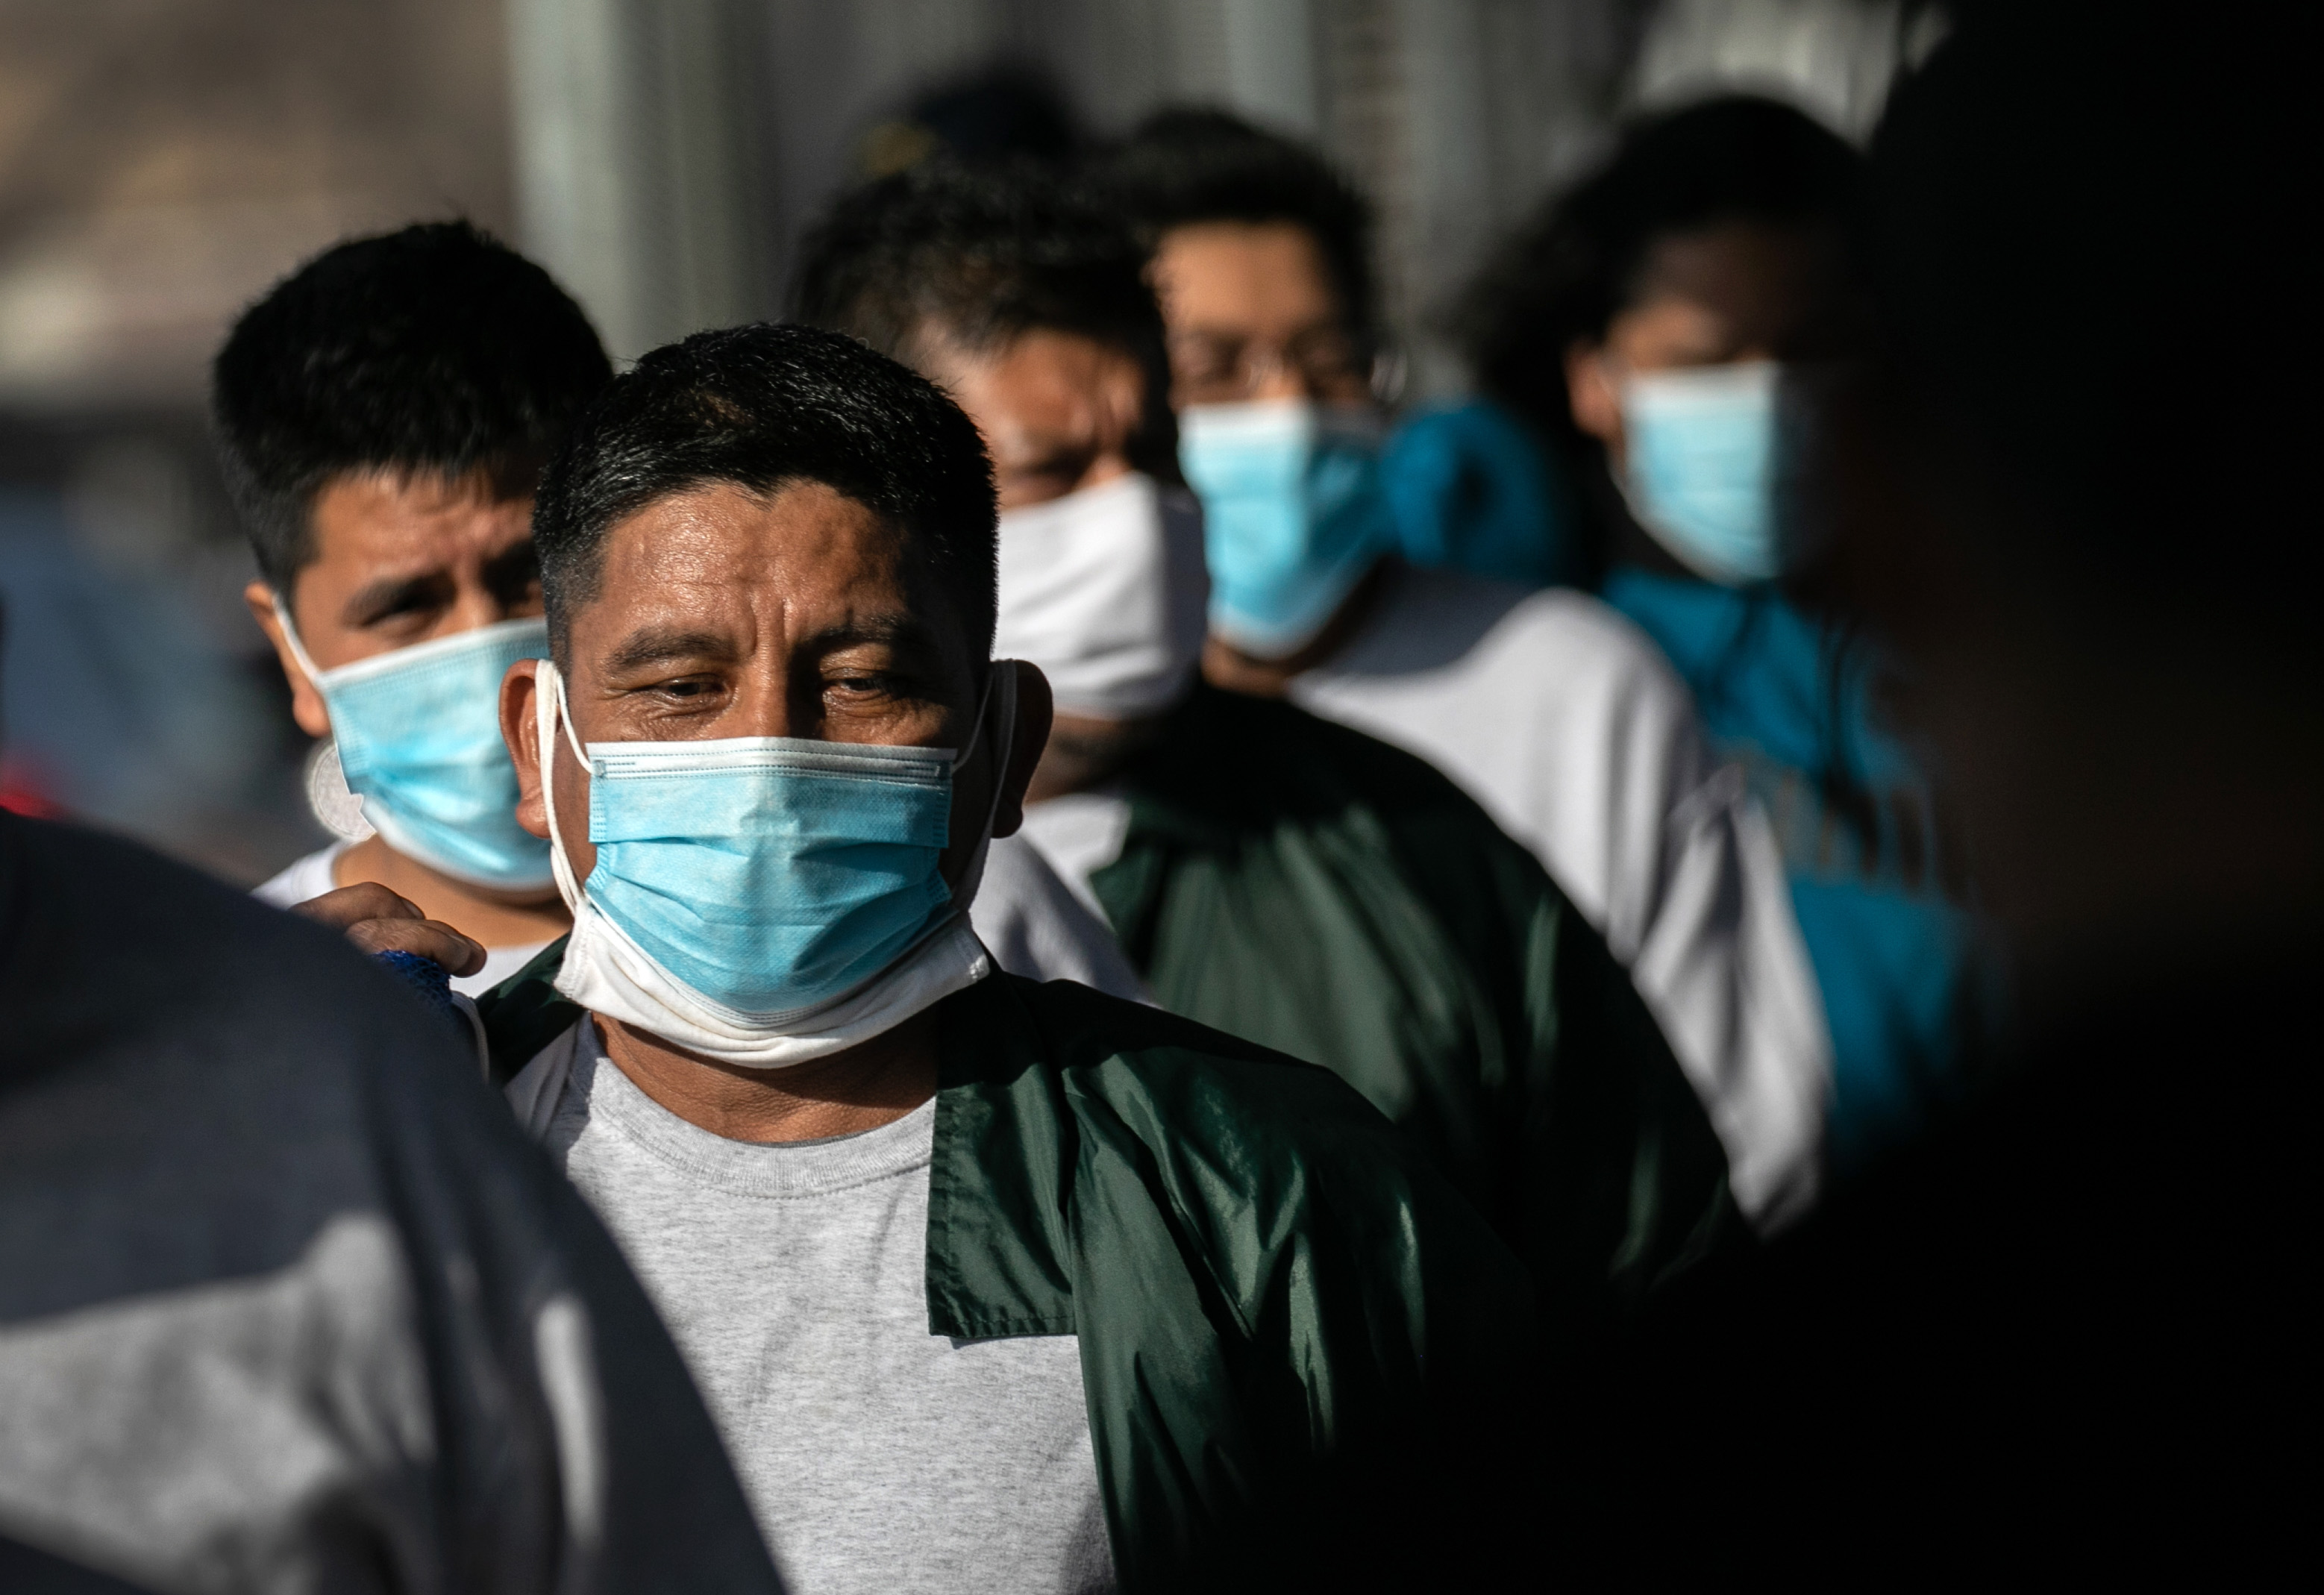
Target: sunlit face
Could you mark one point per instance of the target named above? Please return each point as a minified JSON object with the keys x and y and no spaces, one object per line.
{"x":401,"y":558}
{"x":1252,"y":313}
{"x":1057,"y":411}
{"x":1734,"y":293}
{"x":724,"y":613}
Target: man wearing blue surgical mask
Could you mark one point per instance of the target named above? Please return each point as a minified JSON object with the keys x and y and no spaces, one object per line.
{"x":1549,"y":709}
{"x":383,"y":413}
{"x":1659,"y":325}
{"x":990,"y":1284}
{"x":1274,"y":874}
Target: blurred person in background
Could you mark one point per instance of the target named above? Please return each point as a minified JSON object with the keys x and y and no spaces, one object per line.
{"x":2074,"y":1330}
{"x":1549,"y":708}
{"x":1657,"y":324}
{"x":992,"y":1284}
{"x":286,"y":1301}
{"x":1275,"y":875}
{"x":384,"y":414}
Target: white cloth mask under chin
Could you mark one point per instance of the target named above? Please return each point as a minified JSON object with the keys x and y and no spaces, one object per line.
{"x":768,"y":900}
{"x":1104,"y":589}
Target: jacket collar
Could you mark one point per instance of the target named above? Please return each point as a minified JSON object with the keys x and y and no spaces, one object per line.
{"x":1004,"y":1141}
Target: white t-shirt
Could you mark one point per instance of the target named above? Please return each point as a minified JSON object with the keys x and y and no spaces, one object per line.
{"x":878,"y":1457}
{"x":1567,"y":725}
{"x":1033,"y":924}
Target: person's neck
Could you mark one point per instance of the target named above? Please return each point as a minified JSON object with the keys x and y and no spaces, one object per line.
{"x":486,"y":916}
{"x":1084,"y":752}
{"x":1228,"y":667}
{"x":872,"y":1084}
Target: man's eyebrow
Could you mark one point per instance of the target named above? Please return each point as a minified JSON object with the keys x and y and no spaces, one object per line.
{"x":898,"y":628}
{"x":659,"y":645}
{"x":391,"y":594}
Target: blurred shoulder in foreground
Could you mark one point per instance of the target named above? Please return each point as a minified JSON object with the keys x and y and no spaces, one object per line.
{"x":2068,"y":1331}
{"x":286,"y":1301}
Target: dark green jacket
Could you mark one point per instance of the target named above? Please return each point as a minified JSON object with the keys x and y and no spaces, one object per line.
{"x":1320,"y":893}
{"x":1291,"y":1327}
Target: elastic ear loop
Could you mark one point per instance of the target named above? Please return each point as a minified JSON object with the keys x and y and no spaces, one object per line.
{"x":547,"y":709}
{"x":298,"y":649}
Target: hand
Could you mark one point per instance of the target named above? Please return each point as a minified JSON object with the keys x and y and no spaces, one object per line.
{"x":378,"y":921}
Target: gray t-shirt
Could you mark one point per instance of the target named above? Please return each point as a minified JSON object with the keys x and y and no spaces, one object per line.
{"x":878,"y":1457}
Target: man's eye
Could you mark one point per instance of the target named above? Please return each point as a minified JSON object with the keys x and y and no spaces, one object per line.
{"x":687,"y":687}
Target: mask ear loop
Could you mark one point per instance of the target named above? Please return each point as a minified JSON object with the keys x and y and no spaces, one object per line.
{"x":547,"y":709}
{"x":298,"y":649}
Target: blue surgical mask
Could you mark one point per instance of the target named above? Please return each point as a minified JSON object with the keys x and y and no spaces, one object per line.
{"x":1699,"y":474}
{"x":418,"y":735}
{"x":1293,"y":515}
{"x":765,"y":876}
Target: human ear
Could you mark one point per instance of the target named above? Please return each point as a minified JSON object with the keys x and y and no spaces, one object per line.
{"x":307,"y":705}
{"x":521,"y":730}
{"x":1034,"y":710}
{"x":1589,"y":391}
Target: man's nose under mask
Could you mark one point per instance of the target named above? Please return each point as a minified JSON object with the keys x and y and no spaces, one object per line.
{"x":766,"y":900}
{"x":418,"y":735}
{"x":1104,"y":590}
{"x":1294,"y":515}
{"x":1700,"y":473}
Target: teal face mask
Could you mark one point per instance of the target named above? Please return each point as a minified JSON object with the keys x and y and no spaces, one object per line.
{"x":418,"y":735}
{"x":1293,"y":515}
{"x":765,"y":875}
{"x":1701,"y":448}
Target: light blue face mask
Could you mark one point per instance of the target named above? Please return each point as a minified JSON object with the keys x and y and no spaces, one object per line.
{"x":769,"y":875}
{"x":418,"y":735}
{"x":1701,"y":448}
{"x":1293,"y":515}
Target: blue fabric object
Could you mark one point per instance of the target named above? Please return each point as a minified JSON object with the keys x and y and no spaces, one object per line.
{"x":419,"y":733}
{"x":770,"y":874}
{"x":1894,"y":947}
{"x":425,"y":979}
{"x":1469,"y":489}
{"x":1292,"y":515}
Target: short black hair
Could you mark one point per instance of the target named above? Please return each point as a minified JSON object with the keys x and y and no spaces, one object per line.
{"x":979,"y":254}
{"x":1182,"y":166}
{"x":763,"y":407}
{"x":437,"y":348}
{"x":1563,"y":276}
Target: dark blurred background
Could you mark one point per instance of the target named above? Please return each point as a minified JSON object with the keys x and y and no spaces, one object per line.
{"x":163,"y":161}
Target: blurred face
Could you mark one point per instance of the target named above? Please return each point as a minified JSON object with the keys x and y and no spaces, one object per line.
{"x":1057,"y":410}
{"x":1252,"y":314}
{"x":400,"y":559}
{"x":1735,"y":292}
{"x":723,"y":614}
